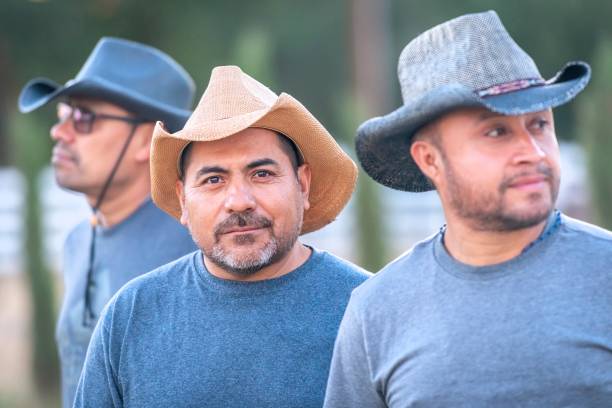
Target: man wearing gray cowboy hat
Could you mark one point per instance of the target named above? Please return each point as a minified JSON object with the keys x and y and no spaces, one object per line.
{"x":510,"y":303}
{"x":102,"y":141}
{"x":250,"y":320}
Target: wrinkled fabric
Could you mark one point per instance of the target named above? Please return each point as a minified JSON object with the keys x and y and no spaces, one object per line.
{"x":534,"y":331}
{"x":145,"y":240}
{"x":180,"y":337}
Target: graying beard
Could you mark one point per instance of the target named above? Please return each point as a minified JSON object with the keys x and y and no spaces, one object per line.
{"x":243,"y":267}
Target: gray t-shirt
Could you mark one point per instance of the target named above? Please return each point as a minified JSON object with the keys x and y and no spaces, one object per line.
{"x":180,"y":337}
{"x":535,"y":331}
{"x":145,"y":240}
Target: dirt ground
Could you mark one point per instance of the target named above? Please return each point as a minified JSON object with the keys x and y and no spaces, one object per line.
{"x":16,"y":387}
{"x":14,"y":335}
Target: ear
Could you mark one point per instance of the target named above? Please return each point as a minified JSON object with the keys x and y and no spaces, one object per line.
{"x":428,"y":158}
{"x":304,"y":175}
{"x":179,"y":188}
{"x":142,"y":142}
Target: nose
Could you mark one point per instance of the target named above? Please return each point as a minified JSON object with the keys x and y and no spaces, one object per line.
{"x":530,"y":148}
{"x":62,"y":131}
{"x":239,"y":198}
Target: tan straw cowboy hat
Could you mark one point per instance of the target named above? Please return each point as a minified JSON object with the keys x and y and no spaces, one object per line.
{"x":232,"y":102}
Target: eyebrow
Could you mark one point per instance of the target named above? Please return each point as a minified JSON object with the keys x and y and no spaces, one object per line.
{"x":487,"y":115}
{"x":218,"y":169}
{"x":261,"y":162}
{"x":210,"y":169}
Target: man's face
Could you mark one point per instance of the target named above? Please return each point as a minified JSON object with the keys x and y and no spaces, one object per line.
{"x":83,"y":161}
{"x":243,"y":201}
{"x":499,"y":173}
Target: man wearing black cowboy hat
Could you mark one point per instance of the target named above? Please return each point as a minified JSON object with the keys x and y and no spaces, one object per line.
{"x":103,"y":135}
{"x":510,"y":303}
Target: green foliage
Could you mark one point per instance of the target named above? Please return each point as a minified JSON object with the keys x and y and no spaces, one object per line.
{"x":369,"y":242}
{"x":300,"y":47}
{"x":253,"y":53}
{"x":594,"y":130}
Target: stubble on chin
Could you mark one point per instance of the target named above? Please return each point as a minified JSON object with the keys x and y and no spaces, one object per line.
{"x":495,"y":211}
{"x":243,"y":264}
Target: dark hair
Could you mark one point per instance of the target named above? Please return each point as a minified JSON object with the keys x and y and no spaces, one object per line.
{"x":291,"y":151}
{"x":184,"y":160}
{"x":286,"y":144}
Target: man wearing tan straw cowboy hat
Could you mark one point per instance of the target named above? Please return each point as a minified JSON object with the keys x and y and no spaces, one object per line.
{"x":250,"y":320}
{"x":102,"y":140}
{"x":510,"y":304}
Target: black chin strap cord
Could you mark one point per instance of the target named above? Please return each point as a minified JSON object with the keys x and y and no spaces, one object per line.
{"x":89,"y":316}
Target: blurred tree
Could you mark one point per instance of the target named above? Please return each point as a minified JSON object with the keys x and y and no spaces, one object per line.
{"x":370,"y":46}
{"x":5,"y":143}
{"x":595,"y":110}
{"x":45,"y":367}
{"x":306,"y":48}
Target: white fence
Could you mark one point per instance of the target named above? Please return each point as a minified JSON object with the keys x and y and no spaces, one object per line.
{"x":12,"y":234}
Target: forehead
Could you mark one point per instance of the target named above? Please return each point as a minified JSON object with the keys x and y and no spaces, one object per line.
{"x":245,"y":146}
{"x":475,"y":116}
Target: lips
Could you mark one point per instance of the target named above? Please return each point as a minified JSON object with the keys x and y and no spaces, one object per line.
{"x":242,"y":230}
{"x":61,"y":155}
{"x":531,"y":179}
{"x":528,"y":181}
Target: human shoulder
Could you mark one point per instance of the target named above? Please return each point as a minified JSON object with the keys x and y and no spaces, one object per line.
{"x":583,"y":245}
{"x":403,"y":271}
{"x":78,"y":233}
{"x":152,"y":230}
{"x":338,"y":268}
{"x":584,"y":230}
{"x":157,"y":283}
{"x":151,"y":217}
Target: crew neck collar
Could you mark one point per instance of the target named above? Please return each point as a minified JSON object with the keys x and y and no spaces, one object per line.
{"x":494,"y":271}
{"x":252,"y":288}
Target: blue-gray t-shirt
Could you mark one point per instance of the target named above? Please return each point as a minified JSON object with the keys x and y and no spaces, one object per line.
{"x":534,"y":331}
{"x":181,"y":337}
{"x":143,"y":241}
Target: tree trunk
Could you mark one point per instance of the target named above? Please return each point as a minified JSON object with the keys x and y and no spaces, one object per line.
{"x":370,"y":44}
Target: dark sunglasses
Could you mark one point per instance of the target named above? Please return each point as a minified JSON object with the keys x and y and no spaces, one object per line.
{"x":83,"y":119}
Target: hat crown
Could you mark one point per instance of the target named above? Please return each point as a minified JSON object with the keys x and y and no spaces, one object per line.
{"x":230,"y":93}
{"x":473,"y":50}
{"x":140,"y":70}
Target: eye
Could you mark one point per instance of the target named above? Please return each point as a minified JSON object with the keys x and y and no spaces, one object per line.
{"x":262,"y":173}
{"x":212,"y":180}
{"x":540,"y":124}
{"x":496,"y":131}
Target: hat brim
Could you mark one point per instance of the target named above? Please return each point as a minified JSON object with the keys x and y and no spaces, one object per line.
{"x":383,"y":143}
{"x":40,"y":91}
{"x":334,"y":174}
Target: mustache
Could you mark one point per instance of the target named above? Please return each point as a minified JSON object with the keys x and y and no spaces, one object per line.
{"x":65,"y":150}
{"x":242,"y":220}
{"x":541,"y":169}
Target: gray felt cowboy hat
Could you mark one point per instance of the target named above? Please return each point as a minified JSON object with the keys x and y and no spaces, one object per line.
{"x":137,"y":77}
{"x":470,"y":61}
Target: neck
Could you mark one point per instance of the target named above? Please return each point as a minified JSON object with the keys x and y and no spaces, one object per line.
{"x":297,"y":256}
{"x":121,"y":201}
{"x":480,"y":248}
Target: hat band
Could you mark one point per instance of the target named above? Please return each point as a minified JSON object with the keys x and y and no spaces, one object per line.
{"x":510,"y":86}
